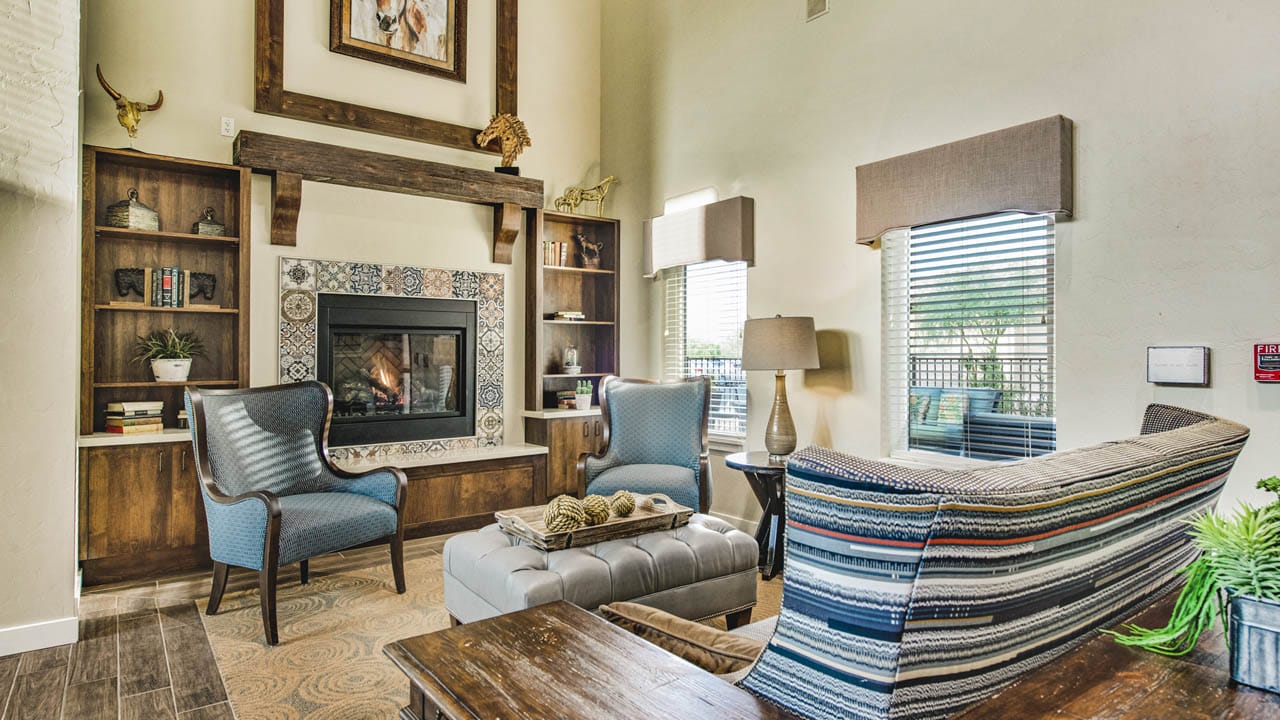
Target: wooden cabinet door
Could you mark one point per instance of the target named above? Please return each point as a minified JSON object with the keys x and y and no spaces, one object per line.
{"x":566,"y":439}
{"x":140,"y":498}
{"x":187,"y":526}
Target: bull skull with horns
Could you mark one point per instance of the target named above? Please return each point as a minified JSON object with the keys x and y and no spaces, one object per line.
{"x":128,"y":112}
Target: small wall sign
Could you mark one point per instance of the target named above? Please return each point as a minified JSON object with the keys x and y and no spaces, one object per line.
{"x":1266,"y":362}
{"x":1178,"y":365}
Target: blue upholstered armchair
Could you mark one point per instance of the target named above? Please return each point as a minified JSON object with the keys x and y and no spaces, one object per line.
{"x":655,"y":437}
{"x":271,"y":494}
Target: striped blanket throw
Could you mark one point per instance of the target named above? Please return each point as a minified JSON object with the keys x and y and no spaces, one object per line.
{"x":914,"y":593}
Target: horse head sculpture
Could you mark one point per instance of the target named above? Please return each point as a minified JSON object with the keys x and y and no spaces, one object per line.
{"x":511,"y":134}
{"x":128,"y":112}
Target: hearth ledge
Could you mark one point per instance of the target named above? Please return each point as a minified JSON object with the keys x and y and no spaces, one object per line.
{"x":447,"y":458}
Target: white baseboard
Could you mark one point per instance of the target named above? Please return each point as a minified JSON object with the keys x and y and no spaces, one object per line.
{"x":746,"y":526}
{"x":24,"y":638}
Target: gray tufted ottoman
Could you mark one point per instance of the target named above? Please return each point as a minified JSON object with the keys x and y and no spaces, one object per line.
{"x":701,"y":570}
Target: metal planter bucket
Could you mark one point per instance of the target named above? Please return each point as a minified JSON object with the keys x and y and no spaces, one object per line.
{"x":1255,"y":642}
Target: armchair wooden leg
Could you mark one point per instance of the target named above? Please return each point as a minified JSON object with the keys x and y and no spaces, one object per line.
{"x":304,"y":570}
{"x":737,"y":619}
{"x":219,"y":586}
{"x":267,"y":589}
{"x":397,"y":561}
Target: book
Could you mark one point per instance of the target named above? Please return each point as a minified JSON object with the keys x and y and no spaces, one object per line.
{"x":564,"y":253}
{"x":154,"y":274}
{"x":136,"y":429}
{"x":135,"y":405}
{"x":131,"y":421}
{"x":184,"y":282}
{"x":166,"y":287}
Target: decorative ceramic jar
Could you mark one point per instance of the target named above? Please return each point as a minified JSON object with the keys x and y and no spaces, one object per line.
{"x":131,"y":214}
{"x":206,"y":225}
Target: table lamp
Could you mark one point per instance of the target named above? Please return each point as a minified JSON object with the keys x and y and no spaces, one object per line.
{"x":780,"y":344}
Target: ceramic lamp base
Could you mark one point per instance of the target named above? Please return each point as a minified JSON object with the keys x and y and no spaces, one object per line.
{"x":780,"y":434}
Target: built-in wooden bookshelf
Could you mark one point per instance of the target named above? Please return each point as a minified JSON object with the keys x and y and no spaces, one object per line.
{"x":179,"y":190}
{"x":561,"y":283}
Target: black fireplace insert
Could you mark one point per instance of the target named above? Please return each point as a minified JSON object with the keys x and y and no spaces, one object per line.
{"x":400,"y":368}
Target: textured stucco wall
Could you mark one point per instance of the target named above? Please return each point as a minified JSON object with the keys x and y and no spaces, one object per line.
{"x":201,"y":55}
{"x":1175,"y":103}
{"x":39,"y":281}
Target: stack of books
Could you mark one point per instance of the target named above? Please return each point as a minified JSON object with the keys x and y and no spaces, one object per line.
{"x":555,"y":253}
{"x":575,"y":315}
{"x":564,"y":400}
{"x":165,"y":287}
{"x":128,"y":418}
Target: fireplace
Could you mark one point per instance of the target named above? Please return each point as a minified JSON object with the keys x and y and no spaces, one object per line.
{"x":400,"y":368}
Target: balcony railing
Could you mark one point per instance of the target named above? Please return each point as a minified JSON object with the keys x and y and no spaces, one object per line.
{"x":1025,"y":384}
{"x":728,"y":392}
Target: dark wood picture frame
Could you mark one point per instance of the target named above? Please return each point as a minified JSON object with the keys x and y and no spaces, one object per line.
{"x":341,"y":41}
{"x":271,"y":97}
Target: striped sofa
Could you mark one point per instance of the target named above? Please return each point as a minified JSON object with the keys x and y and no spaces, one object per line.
{"x":914,"y":593}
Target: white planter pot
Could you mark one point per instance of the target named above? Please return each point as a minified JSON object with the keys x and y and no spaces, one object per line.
{"x":582,"y":401}
{"x":175,"y":370}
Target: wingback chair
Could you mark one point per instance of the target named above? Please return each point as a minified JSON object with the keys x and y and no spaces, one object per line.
{"x":271,"y":494}
{"x":655,"y":437}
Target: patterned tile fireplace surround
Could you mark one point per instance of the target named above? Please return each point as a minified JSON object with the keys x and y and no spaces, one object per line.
{"x":302,"y":280}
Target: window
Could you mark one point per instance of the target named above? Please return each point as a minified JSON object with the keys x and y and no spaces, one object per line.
{"x":705,"y":308}
{"x":969,"y":337}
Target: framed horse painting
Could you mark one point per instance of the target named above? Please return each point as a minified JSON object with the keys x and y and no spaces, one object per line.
{"x":426,"y":36}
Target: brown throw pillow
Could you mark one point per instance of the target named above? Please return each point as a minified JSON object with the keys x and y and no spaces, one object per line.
{"x":715,"y":651}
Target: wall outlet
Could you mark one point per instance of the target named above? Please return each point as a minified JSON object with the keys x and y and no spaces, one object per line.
{"x":228,"y":127}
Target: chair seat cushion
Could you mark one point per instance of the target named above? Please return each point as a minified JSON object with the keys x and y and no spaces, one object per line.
{"x":676,"y":482}
{"x":313,"y":524}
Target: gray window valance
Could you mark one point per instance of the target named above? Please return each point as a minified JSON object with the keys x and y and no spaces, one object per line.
{"x":724,"y":230}
{"x":1025,"y":168}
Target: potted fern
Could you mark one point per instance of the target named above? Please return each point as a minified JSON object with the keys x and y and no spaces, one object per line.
{"x":1236,"y":579}
{"x":170,"y":353}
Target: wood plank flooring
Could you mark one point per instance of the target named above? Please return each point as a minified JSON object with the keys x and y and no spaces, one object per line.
{"x":143,"y":653}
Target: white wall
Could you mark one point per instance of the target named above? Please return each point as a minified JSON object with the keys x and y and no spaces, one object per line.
{"x":39,"y":353}
{"x":1175,"y":105}
{"x":201,"y":55}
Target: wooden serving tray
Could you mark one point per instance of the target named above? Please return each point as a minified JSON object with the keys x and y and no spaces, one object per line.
{"x":527,"y":524}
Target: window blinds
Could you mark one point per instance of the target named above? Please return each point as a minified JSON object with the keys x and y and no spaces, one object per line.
{"x":969,"y":336}
{"x":705,"y":307}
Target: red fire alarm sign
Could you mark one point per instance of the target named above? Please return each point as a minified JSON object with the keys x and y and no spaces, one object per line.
{"x":1266,"y":362}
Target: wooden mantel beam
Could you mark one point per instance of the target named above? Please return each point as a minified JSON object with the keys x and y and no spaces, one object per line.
{"x":338,"y":165}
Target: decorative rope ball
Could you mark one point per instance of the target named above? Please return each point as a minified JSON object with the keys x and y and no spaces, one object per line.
{"x":596,"y":508}
{"x":622,"y":503}
{"x":564,"y":513}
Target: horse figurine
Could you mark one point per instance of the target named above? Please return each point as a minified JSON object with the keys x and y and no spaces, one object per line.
{"x":574,"y":196}
{"x":510,"y":132}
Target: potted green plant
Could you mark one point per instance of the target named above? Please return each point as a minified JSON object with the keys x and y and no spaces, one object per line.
{"x":170,"y":353}
{"x":1235,"y":580}
{"x":582,"y":395}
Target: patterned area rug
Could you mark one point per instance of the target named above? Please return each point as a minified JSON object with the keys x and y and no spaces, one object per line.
{"x":329,"y":663}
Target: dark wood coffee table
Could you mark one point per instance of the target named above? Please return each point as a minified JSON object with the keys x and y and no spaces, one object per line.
{"x":558,"y":661}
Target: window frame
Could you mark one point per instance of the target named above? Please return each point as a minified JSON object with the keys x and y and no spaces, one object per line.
{"x":896,"y":346}
{"x":675,"y":345}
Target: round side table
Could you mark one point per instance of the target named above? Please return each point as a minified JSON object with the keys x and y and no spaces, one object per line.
{"x":768,"y":481}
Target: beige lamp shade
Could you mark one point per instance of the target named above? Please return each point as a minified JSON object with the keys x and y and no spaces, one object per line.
{"x":779,"y":343}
